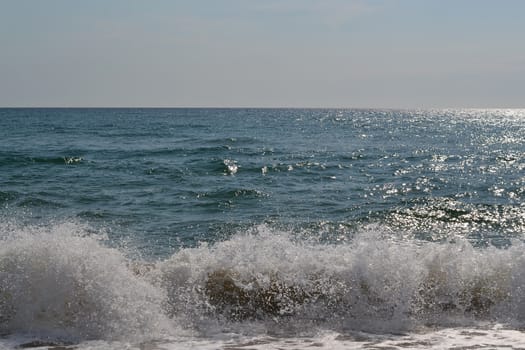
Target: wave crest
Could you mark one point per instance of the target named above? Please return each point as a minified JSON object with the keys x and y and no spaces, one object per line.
{"x":56,"y":282}
{"x":61,"y":282}
{"x":270,"y":274}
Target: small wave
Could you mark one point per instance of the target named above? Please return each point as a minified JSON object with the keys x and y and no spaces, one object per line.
{"x":440,"y":216}
{"x":233,"y":141}
{"x":6,"y":196}
{"x":174,"y":152}
{"x":36,"y":202}
{"x":15,"y":160}
{"x":227,"y":194}
{"x":69,"y":160}
{"x":73,"y":160}
{"x":231,"y":166}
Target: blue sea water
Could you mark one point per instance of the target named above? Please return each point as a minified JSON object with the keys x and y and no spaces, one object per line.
{"x":207,"y":225}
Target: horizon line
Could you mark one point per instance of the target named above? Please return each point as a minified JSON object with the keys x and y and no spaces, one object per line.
{"x":253,"y":107}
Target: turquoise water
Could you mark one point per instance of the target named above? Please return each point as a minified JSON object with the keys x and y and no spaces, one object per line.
{"x":258,"y":214}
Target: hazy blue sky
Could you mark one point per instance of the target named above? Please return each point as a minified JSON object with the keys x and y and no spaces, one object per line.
{"x":339,"y":53}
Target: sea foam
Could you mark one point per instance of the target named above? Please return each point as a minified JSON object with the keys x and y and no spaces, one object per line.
{"x":60,"y":282}
{"x":372,"y":283}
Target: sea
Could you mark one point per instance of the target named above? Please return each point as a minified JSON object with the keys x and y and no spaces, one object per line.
{"x":211,"y":228}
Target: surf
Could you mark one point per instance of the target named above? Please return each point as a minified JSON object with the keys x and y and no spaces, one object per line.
{"x":63,"y":282}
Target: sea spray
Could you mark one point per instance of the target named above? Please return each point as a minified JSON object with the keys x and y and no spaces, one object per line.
{"x":61,"y":282}
{"x":370,"y":283}
{"x":58,"y":283}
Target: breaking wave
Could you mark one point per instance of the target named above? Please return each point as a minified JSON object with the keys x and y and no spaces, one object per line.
{"x":60,"y":282}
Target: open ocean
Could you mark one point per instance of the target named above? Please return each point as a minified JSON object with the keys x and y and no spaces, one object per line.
{"x":262,"y":229}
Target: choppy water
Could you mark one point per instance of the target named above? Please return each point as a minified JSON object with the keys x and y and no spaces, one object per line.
{"x":262,"y":228}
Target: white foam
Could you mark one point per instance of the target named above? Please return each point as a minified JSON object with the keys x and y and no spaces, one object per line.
{"x":231,"y":166}
{"x":371,"y":283}
{"x":493,"y":337}
{"x":59,"y":282}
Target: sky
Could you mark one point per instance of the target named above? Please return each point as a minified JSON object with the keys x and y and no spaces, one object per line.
{"x":262,"y":53}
